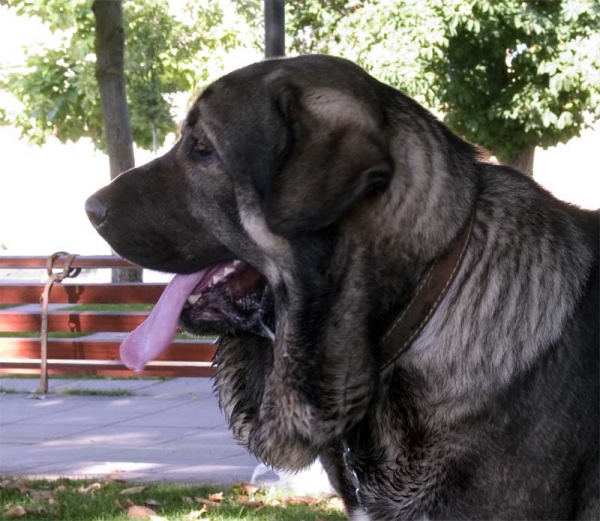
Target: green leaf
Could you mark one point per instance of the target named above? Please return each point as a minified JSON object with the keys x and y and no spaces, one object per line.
{"x":564,"y":120}
{"x":504,"y":73}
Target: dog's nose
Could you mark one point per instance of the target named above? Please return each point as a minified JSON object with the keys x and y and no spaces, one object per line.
{"x":96,"y":210}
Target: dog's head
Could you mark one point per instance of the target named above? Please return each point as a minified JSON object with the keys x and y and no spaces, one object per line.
{"x":272,"y":159}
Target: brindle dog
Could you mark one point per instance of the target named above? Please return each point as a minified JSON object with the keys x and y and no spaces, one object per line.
{"x":424,"y":322}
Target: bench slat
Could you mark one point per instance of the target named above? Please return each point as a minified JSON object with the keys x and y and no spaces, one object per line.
{"x":80,"y":321}
{"x":87,"y":261}
{"x":122,"y":292}
{"x":96,"y":353}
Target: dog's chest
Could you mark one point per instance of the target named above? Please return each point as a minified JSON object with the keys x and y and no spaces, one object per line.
{"x":389,"y":476}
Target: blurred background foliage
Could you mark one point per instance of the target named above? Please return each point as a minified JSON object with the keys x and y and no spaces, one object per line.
{"x":509,"y":75}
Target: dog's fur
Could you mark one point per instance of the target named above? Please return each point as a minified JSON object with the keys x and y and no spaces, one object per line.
{"x":341,"y":191}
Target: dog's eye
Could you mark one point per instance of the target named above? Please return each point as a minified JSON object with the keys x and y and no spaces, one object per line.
{"x":201,"y":150}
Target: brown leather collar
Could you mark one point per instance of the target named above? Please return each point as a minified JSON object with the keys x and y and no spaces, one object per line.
{"x":428,"y":296}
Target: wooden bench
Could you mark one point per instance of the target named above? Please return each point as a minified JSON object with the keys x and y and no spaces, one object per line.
{"x":91,"y":345}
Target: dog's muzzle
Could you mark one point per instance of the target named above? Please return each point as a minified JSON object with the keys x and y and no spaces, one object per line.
{"x":227,"y":298}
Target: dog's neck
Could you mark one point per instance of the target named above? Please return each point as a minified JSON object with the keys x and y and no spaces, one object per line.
{"x":427,"y":296}
{"x":492,"y":316}
{"x":417,"y":221}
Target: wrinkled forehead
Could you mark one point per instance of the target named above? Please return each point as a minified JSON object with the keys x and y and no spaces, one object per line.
{"x":229,"y":99}
{"x":330,"y":89}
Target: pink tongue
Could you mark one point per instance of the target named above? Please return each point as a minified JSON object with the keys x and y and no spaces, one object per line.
{"x":151,"y":338}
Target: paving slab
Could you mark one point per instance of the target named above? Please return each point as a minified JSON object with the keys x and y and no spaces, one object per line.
{"x":19,"y":407}
{"x":167,"y":430}
{"x":218,"y":473}
{"x":197,"y":388}
{"x":96,"y":411}
{"x":185,"y":416}
{"x":119,"y":436}
{"x":60,"y":385}
{"x":19,"y":433}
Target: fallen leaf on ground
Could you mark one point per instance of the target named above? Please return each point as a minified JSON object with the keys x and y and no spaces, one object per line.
{"x":252,"y":504}
{"x":140,"y":511}
{"x":129,"y":503}
{"x":38,"y":495}
{"x":249,"y":489}
{"x":17,"y":511}
{"x":89,"y":488}
{"x":335,"y":503}
{"x":60,"y":488}
{"x":305,"y":500}
{"x":151,"y":503}
{"x":194,"y":515}
{"x":19,"y":485}
{"x":187,"y":500}
{"x":217,"y":496}
{"x":132,"y":490}
{"x":207,"y":502}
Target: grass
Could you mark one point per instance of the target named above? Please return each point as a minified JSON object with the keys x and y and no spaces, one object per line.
{"x":75,"y":392}
{"x":77,"y":334}
{"x":35,"y":334}
{"x":95,"y":392}
{"x":84,"y":377}
{"x":77,"y":500}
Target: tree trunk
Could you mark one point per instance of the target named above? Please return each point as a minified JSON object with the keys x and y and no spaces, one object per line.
{"x":274,"y":28}
{"x":110,"y":74}
{"x":522,"y":161}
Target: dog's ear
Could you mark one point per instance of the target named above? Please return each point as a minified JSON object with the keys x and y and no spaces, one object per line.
{"x":335,"y":155}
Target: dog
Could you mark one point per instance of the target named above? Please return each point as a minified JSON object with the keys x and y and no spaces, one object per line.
{"x":423,"y":321}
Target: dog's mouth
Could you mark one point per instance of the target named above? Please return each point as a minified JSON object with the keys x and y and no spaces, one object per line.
{"x":227,"y":298}
{"x":231,"y":298}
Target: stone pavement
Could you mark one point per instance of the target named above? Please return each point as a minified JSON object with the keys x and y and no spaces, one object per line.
{"x":166,"y":430}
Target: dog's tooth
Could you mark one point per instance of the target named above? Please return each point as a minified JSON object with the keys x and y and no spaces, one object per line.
{"x":221,"y":275}
{"x":236,"y":263}
{"x":192,"y":299}
{"x":267,"y":331}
